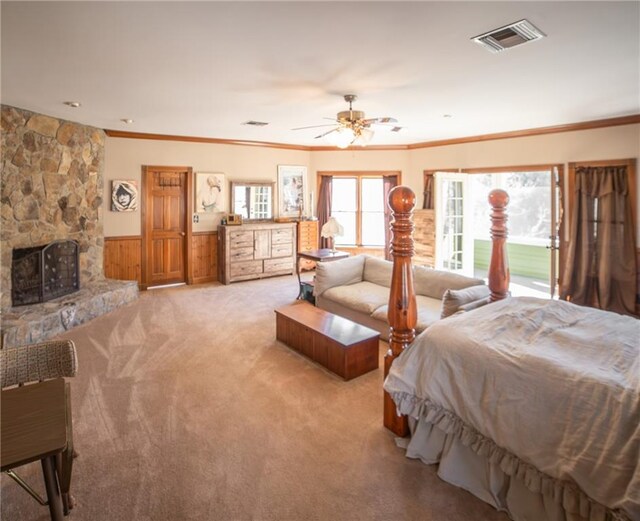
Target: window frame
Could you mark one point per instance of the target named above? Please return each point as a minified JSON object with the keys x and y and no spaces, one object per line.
{"x":359,"y":175}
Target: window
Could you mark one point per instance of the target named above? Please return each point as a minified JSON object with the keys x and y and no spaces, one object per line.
{"x":358,"y":205}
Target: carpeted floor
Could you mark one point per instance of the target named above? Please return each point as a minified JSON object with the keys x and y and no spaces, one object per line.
{"x":186,"y":407}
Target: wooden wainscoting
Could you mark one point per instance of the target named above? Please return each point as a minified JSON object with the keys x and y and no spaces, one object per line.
{"x":123,"y":258}
{"x":204,"y":255}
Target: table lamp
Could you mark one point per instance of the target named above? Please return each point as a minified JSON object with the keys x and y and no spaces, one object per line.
{"x":331,"y":229}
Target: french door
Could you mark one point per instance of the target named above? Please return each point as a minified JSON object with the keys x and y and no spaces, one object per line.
{"x":535,"y":219}
{"x":454,"y":236}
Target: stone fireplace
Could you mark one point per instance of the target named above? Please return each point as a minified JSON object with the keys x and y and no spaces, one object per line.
{"x":43,"y":273}
{"x":52,"y":191}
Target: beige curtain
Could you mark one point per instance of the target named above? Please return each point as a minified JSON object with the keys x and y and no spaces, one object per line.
{"x":600,"y":270}
{"x":427,"y":203}
{"x":324,"y":206}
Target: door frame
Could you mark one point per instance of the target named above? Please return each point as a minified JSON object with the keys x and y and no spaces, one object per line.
{"x":187,"y":171}
{"x":562,"y":212}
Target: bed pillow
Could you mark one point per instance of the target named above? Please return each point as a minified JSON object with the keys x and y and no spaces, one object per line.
{"x":454,"y":299}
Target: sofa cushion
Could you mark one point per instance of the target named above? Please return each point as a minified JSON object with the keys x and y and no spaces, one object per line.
{"x":454,"y":299}
{"x":377,"y":271}
{"x":428,"y":312}
{"x":365,"y":297}
{"x":338,"y":273}
{"x":433,"y":283}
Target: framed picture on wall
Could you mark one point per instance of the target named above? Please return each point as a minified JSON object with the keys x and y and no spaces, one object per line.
{"x":292,"y":186}
{"x":124,"y":196}
{"x":211,"y":194}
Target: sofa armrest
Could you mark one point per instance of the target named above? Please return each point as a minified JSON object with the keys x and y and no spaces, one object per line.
{"x":457,"y":300}
{"x":338,"y":273}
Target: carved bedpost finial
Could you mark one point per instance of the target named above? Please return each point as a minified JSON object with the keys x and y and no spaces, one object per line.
{"x":499,"y":265}
{"x":402,"y":312}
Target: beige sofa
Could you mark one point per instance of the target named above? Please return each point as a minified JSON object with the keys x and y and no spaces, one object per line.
{"x":358,"y":288}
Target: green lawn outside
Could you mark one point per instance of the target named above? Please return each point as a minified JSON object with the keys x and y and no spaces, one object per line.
{"x":524,"y":260}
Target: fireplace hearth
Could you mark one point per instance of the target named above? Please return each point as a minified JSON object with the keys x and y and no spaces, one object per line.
{"x":43,"y":273}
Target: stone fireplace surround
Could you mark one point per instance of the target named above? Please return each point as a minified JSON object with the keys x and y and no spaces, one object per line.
{"x":52,"y":189}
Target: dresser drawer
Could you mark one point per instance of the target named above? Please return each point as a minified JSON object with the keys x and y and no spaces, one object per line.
{"x":282,"y":250}
{"x":281,"y":236}
{"x":241,"y":254}
{"x":240,"y":239}
{"x":278,"y":265}
{"x":238,"y":269}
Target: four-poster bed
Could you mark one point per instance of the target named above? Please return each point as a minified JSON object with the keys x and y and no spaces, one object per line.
{"x":532,"y":405}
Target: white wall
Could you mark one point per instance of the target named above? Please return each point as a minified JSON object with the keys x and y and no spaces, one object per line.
{"x":124,"y":159}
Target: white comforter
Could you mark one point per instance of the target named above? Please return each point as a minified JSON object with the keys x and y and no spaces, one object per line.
{"x":555,"y":384}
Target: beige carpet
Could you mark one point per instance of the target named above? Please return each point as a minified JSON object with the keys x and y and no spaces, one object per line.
{"x":186,"y":407}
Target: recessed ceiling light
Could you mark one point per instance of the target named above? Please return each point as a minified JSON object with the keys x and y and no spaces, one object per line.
{"x":256,"y":123}
{"x":74,"y":104}
{"x":127,"y":121}
{"x":447,"y":116}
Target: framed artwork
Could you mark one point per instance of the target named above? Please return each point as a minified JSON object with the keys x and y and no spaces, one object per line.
{"x":210,"y":192}
{"x":292,"y":181}
{"x":124,"y":196}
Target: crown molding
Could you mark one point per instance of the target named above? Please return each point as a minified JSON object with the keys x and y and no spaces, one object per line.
{"x":556,"y":129}
{"x":571,"y":127}
{"x":211,"y":140}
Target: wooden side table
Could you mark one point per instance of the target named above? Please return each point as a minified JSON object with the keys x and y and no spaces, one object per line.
{"x":342,"y":346}
{"x":36,"y":426}
{"x":321,"y":255}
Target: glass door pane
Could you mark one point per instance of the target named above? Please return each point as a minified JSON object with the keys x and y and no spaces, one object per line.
{"x":454,"y":240}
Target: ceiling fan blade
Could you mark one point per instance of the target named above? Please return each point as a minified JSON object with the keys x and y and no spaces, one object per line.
{"x":312,"y":126}
{"x":322,"y":135}
{"x":374,"y":121}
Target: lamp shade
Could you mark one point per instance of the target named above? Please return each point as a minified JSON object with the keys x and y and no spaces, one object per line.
{"x":342,"y":137}
{"x":331,"y":228}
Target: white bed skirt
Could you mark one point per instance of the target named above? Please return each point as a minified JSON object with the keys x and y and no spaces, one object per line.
{"x":516,"y":490}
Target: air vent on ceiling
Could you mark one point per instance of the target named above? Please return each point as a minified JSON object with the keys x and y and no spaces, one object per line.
{"x":256,"y":123}
{"x":509,"y":36}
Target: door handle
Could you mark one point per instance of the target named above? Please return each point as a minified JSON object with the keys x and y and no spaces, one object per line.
{"x":182,"y":233}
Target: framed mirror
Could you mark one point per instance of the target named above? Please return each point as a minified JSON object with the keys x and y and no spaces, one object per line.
{"x":252,"y":200}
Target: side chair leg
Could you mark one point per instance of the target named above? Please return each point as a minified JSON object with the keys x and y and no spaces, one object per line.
{"x":26,"y":487}
{"x":53,"y":489}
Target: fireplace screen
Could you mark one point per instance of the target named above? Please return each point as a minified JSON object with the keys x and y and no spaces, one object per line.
{"x":43,"y":273}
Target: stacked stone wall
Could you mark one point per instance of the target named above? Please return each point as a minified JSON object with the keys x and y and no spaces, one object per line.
{"x":52,"y":173}
{"x":424,"y":237}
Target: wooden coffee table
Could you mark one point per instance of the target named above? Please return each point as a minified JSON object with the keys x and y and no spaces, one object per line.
{"x":342,"y":346}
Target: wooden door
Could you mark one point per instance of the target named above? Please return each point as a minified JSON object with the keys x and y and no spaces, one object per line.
{"x":166,"y":228}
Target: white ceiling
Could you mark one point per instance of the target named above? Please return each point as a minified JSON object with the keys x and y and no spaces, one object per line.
{"x":203,"y":68}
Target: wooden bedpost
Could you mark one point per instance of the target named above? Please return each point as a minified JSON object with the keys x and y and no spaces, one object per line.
{"x":402,"y":298}
{"x":499,"y":265}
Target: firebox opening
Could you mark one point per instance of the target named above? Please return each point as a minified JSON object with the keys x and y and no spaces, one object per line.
{"x":42,"y":273}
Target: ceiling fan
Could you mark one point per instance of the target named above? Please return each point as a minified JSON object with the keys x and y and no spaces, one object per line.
{"x":351,"y":127}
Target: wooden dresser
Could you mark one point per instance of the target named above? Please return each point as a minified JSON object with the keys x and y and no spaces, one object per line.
{"x":254,"y":251}
{"x":307,"y":241}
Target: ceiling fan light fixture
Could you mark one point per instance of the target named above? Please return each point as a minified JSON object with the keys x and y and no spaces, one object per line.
{"x":342,"y":137}
{"x":366,"y":135}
